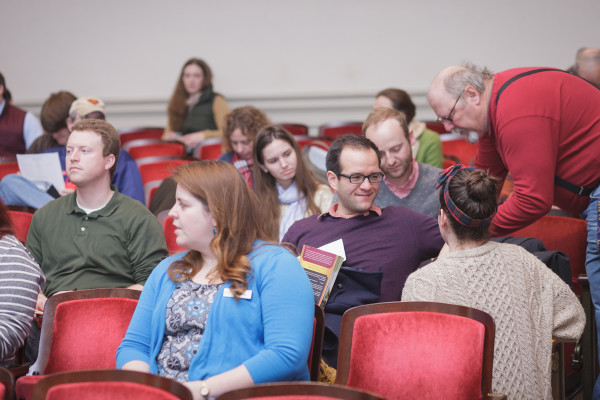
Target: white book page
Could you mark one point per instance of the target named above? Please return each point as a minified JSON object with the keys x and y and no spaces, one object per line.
{"x":42,"y":169}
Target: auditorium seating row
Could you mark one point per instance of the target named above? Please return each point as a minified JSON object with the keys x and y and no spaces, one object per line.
{"x":81,"y":331}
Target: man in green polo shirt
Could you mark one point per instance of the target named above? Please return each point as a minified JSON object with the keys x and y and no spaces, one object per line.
{"x":95,"y":237}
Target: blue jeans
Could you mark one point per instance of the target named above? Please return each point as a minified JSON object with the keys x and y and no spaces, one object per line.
{"x":592,"y":263}
{"x":18,"y":191}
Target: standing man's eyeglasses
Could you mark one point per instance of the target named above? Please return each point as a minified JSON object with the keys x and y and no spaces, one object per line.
{"x":450,"y":114}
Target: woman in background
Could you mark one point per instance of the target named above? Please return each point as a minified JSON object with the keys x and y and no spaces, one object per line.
{"x":287,"y":189}
{"x":233,"y":310}
{"x":21,"y":279}
{"x":241,"y":127}
{"x":428,"y":147}
{"x":54,"y":116}
{"x":530,"y":304}
{"x":195,"y":112}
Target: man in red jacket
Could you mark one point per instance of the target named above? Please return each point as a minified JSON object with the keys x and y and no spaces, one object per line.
{"x":543,"y":126}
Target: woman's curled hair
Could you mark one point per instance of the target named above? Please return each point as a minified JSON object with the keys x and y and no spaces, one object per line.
{"x":225,"y":194}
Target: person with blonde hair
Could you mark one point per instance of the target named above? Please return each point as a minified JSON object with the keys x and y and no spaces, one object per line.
{"x":285,"y":185}
{"x":232,"y":311}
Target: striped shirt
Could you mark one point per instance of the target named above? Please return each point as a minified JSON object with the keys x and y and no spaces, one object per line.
{"x":21,"y":279}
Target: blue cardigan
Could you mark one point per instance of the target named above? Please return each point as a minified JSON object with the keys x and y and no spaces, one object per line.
{"x":270,"y":333}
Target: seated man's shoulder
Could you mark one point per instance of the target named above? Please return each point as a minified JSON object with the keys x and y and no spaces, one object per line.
{"x":128,"y":205}
{"x":429,"y":172}
{"x":306,"y":223}
{"x":55,"y":206}
{"x":398,"y":212}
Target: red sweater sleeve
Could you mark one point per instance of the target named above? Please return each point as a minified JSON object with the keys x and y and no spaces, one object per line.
{"x":529,"y":148}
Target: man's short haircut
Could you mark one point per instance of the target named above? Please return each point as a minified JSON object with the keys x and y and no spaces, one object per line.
{"x":110,"y":138}
{"x":470,"y":74}
{"x":383,"y":114}
{"x":401,"y":101}
{"x":55,"y":111}
{"x":358,"y":142}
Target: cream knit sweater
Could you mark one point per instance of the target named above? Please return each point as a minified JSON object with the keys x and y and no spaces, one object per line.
{"x":529,"y":303}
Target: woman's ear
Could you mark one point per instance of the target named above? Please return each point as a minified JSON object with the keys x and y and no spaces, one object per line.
{"x":442,"y":219}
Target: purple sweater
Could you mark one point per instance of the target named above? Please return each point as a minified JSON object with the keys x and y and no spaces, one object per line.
{"x":395,"y":242}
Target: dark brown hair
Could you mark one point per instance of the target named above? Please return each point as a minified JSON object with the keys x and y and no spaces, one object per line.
{"x":248,"y":119}
{"x":233,"y":205}
{"x":6,"y":95}
{"x":111,"y":144}
{"x":474,"y":192}
{"x":332,"y":160}
{"x":55,"y":111}
{"x":265,"y":182}
{"x":177,"y":109}
{"x":401,"y":101}
{"x":5,"y":223}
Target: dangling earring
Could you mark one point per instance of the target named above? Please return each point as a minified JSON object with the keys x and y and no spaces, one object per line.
{"x":215,"y":231}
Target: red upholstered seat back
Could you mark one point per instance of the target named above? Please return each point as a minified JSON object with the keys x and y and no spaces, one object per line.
{"x":107,"y":391}
{"x":295,"y":397}
{"x":157,"y":149}
{"x":10,"y":167}
{"x":210,"y":151}
{"x":417,"y":355}
{"x":295,"y":129}
{"x":141,"y":133}
{"x":568,"y":235}
{"x":460,"y":149}
{"x":170,"y":237}
{"x":87,"y":332}
{"x":335,"y":130}
{"x":21,"y":221}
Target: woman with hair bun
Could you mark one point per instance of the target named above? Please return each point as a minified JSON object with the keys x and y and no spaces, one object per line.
{"x":233,"y":310}
{"x":530,"y":304}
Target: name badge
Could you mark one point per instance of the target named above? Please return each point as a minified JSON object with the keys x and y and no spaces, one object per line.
{"x":247,"y":295}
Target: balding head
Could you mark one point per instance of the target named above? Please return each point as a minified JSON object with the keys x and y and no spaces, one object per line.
{"x":587,"y":64}
{"x":457,"y":96}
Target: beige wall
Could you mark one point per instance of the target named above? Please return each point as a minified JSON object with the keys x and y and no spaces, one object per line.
{"x":305,"y":61}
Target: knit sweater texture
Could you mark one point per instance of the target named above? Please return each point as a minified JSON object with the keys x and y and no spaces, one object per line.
{"x":529,"y":303}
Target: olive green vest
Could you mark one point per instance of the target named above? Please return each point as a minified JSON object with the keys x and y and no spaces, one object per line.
{"x":201,"y":117}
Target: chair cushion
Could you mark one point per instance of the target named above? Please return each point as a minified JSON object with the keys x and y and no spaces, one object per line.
{"x":422,"y":355}
{"x":86,"y":333}
{"x":107,"y":391}
{"x":296,"y":397}
{"x":24,"y":386}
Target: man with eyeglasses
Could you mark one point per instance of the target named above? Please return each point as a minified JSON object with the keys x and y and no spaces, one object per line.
{"x":383,"y":246}
{"x":543,"y":126}
{"x":406,"y":182}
